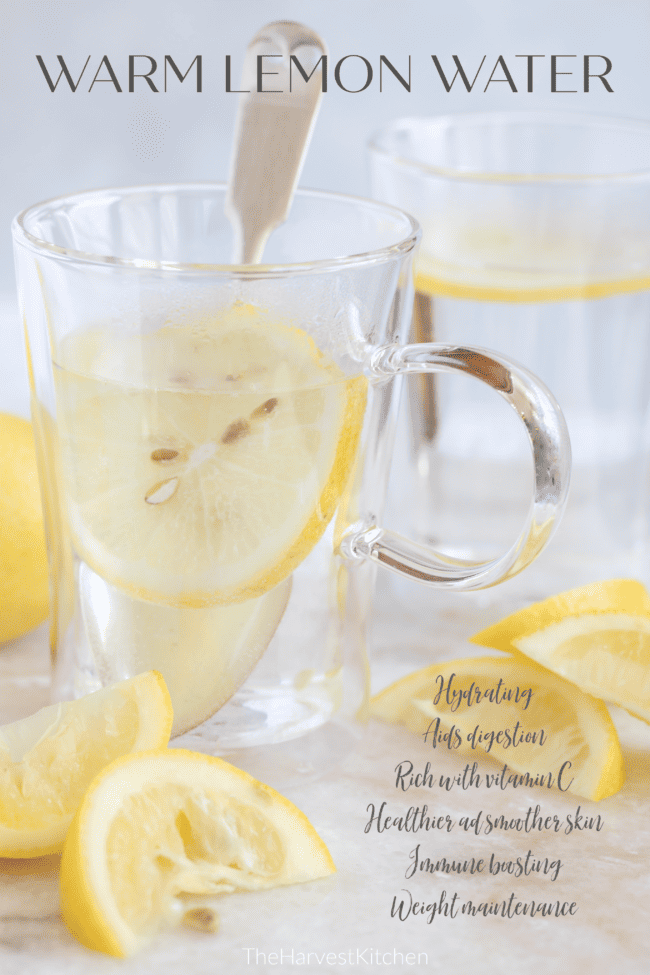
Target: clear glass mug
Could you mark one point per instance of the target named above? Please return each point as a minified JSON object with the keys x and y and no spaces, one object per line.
{"x":536,"y":242}
{"x":214,"y":445}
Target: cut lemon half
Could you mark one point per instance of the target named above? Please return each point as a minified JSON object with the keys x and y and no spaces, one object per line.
{"x":48,"y":760}
{"x":160,"y":835}
{"x":204,"y":655}
{"x":577,"y":728}
{"x":611,"y":596}
{"x":203,"y":461}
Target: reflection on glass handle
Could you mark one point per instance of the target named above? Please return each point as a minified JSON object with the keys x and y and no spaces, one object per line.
{"x":549,"y":440}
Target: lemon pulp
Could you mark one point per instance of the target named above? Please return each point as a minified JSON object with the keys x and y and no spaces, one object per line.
{"x":159,"y":835}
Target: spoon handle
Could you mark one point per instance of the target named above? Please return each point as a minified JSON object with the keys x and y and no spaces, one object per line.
{"x":272,"y":132}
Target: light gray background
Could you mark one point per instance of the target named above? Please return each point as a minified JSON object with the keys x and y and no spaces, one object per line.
{"x":60,"y":142}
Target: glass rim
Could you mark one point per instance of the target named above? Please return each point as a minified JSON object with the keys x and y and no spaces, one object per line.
{"x":403,"y":245}
{"x":549,"y":118}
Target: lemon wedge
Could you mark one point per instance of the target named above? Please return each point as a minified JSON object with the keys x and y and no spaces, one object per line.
{"x":605,"y":654}
{"x":48,"y":760}
{"x":577,"y":728}
{"x":611,"y":596}
{"x":597,"y":636}
{"x":160,"y":835}
{"x":203,"y":461}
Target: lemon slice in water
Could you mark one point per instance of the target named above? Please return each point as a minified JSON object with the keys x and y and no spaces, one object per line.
{"x":204,"y":655}
{"x":160,"y":835}
{"x":203,"y":462}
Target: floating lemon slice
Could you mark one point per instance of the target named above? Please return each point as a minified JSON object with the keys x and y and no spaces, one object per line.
{"x":204,"y":655}
{"x":597,"y":636}
{"x":576,"y":728}
{"x":203,"y":462}
{"x":161,"y":834}
{"x":48,"y":760}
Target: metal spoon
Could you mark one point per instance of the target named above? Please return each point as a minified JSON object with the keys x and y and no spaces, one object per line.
{"x":272,"y":133}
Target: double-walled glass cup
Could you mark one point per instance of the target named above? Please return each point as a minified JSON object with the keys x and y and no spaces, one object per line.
{"x":214,"y":445}
{"x":536,"y":242}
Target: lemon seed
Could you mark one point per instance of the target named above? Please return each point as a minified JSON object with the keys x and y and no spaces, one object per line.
{"x":202,"y":918}
{"x":162,"y":491}
{"x":265,"y":408}
{"x":163,"y":454}
{"x":236,"y":430}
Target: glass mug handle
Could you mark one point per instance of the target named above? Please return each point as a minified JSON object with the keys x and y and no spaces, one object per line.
{"x":549,"y":439}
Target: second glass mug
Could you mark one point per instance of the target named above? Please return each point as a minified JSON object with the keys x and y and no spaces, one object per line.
{"x":214,"y":446}
{"x":535,"y":242}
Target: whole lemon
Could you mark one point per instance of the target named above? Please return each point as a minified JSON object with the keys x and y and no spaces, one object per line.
{"x":23,"y":560}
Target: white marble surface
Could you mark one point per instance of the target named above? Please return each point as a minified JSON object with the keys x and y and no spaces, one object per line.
{"x":605,"y":873}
